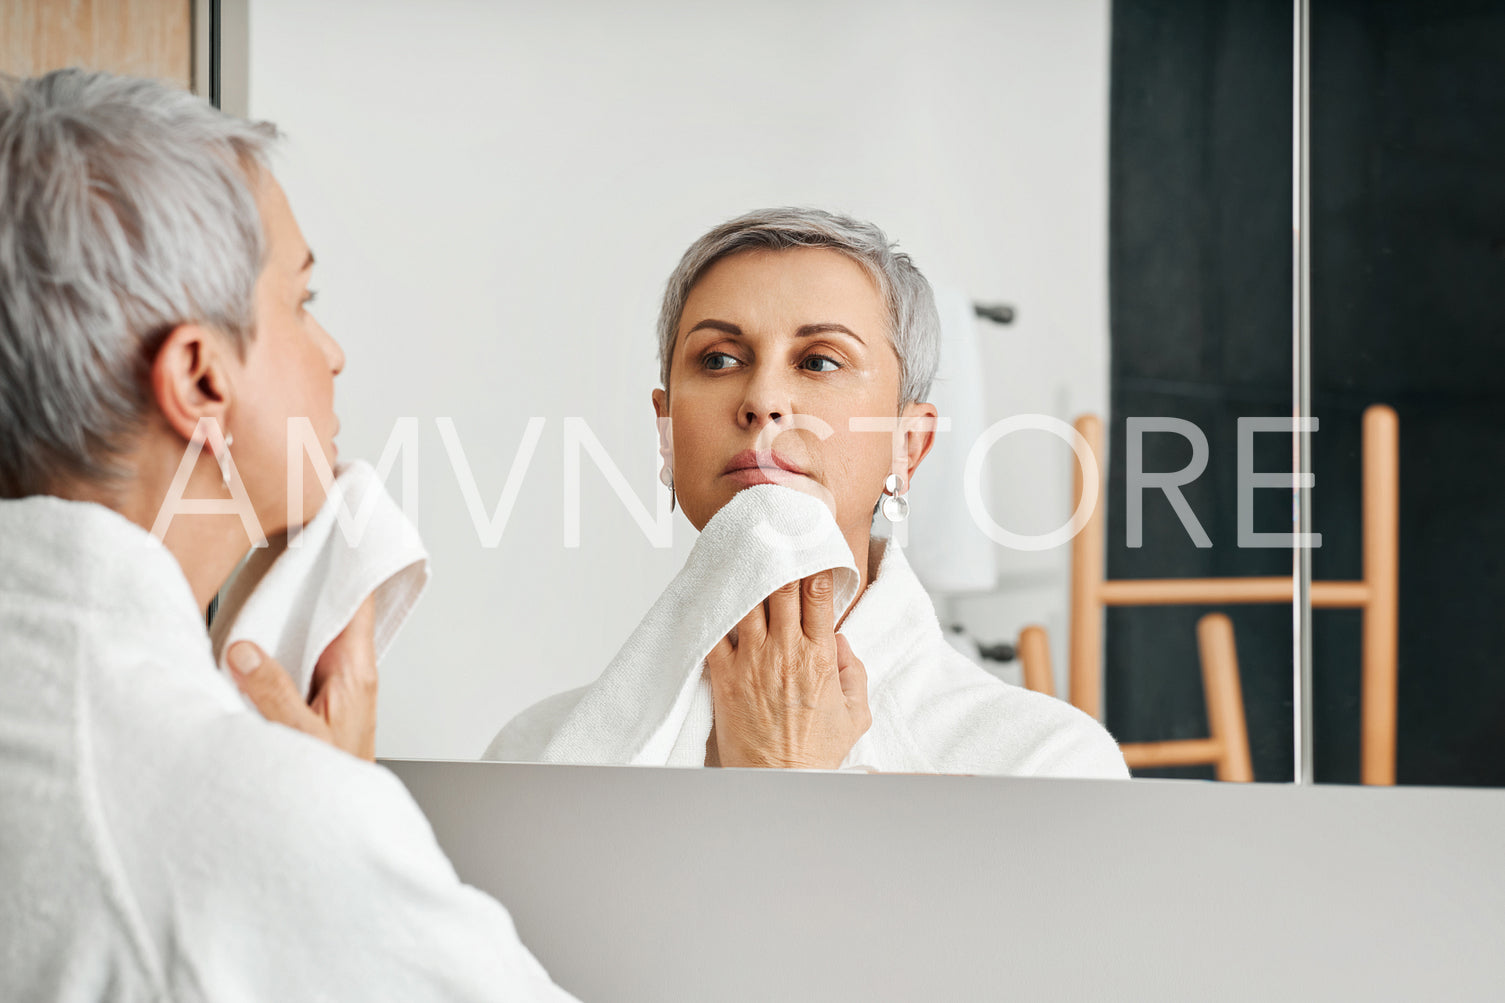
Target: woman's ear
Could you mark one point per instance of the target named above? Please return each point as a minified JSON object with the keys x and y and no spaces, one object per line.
{"x":665,"y":429}
{"x":190,"y":379}
{"x":918,"y":437}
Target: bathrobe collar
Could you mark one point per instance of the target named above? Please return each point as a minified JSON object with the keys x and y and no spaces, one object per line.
{"x":893,"y":614}
{"x":91,"y":557}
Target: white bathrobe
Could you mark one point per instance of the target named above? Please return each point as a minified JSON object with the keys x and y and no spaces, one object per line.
{"x":934,"y":710}
{"x":158,"y":841}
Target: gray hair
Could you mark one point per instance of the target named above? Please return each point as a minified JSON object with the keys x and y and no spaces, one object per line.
{"x":914,"y":325}
{"x":127,"y":208}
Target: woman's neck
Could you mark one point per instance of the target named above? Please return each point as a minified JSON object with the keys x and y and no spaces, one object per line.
{"x":867,"y":557}
{"x":206,"y":547}
{"x":207,"y":558}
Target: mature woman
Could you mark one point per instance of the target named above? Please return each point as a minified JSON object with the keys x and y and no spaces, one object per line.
{"x":158,"y":839}
{"x":797,"y":349}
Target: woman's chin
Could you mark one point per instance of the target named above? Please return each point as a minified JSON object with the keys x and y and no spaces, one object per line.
{"x":741,"y":480}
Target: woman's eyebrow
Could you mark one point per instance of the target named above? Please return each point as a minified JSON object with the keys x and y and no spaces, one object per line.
{"x":717,"y":325}
{"x":804,"y":331}
{"x":811,"y":329}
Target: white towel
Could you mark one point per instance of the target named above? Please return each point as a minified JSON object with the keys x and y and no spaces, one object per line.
{"x":934,"y":710}
{"x":292,"y":598}
{"x":947,"y":549}
{"x":651,"y":705}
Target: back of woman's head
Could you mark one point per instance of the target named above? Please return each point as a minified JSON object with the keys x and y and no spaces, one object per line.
{"x":127,"y":208}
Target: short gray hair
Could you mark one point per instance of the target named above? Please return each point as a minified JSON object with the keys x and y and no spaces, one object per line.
{"x":127,"y":208}
{"x":914,"y":325}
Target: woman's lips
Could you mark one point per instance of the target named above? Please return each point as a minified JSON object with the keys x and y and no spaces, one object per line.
{"x":749,"y":476}
{"x":751,"y":467}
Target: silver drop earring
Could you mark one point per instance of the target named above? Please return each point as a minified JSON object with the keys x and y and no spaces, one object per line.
{"x":666,"y":477}
{"x":223,"y":459}
{"x":896,"y":505}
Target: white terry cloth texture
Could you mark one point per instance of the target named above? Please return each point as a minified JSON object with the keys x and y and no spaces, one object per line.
{"x":651,"y":705}
{"x":934,"y":710}
{"x":295,"y":596}
{"x":947,"y":549}
{"x":160,"y":841}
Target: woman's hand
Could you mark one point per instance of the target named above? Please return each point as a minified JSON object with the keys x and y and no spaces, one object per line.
{"x":789,"y":693}
{"x":343,"y":709}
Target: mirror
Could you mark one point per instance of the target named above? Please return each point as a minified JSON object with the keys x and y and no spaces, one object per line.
{"x":497,"y":195}
{"x":1408,"y":254}
{"x":1201,"y":321}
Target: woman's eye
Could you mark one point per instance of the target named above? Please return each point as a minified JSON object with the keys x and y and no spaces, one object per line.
{"x":820,"y":364}
{"x":718,"y":360}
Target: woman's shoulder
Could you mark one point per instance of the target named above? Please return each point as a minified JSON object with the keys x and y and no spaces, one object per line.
{"x":253,"y":784}
{"x":328,"y":850}
{"x":970,"y":721}
{"x":960,"y":717}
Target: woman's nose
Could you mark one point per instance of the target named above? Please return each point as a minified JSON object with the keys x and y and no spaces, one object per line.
{"x":766,"y":400}
{"x":755,"y":416}
{"x":332,"y":351}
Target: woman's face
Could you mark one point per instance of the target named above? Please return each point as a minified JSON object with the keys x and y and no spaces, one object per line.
{"x":288,"y":373}
{"x":777,"y":352}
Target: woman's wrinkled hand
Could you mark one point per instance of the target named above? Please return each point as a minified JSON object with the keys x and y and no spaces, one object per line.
{"x":789,"y":693}
{"x":342,"y":710}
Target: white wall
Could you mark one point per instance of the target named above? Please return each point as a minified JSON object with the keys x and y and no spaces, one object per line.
{"x":497,"y":192}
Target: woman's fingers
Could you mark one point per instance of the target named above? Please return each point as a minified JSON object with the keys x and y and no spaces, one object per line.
{"x":853,"y":677}
{"x":347,"y":703}
{"x":752,"y":629}
{"x":720,"y":657}
{"x":343,"y":709}
{"x":799,"y":701}
{"x":817,"y":605}
{"x":803,"y":607}
{"x":784,"y":611}
{"x":268,"y":686}
{"x":345,"y":683}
